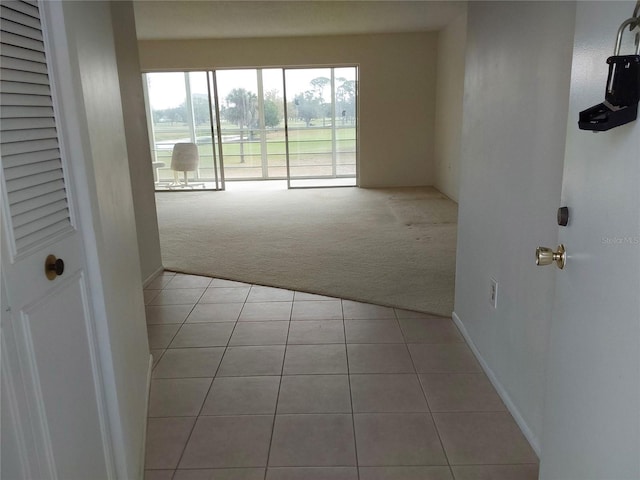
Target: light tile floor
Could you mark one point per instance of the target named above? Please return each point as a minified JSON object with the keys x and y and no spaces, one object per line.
{"x":252,"y":382}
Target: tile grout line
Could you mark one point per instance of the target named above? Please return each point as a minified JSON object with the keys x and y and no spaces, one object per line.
{"x":353,"y":419}
{"x":275,"y":410}
{"x":208,"y":390}
{"x":430,"y":412}
{"x":196,"y":418}
{"x":177,"y":331}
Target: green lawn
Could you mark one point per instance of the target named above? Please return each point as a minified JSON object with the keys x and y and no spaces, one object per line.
{"x":163,"y":132}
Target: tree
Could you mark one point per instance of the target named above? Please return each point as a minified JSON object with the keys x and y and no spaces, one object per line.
{"x":273,"y":108}
{"x":174,"y":114}
{"x":319,"y":84}
{"x":242,"y":110}
{"x":180,"y":114}
{"x":346,"y":98}
{"x":200,"y":103}
{"x":308,"y":105}
{"x":292,"y":110}
{"x":271,"y":114}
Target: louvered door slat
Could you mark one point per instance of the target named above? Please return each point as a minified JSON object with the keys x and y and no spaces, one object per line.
{"x":33,"y":192}
{"x":26,"y":147}
{"x":10,"y":111}
{"x":39,"y":224}
{"x":26,"y":88}
{"x":11,"y":63}
{"x":29,"y":158}
{"x":32,"y":168}
{"x":24,"y":77}
{"x":37,"y":202}
{"x":9,"y":124}
{"x":8,"y":38}
{"x":19,"y":29}
{"x":21,"y":100}
{"x":41,"y":212}
{"x":24,"y":19}
{"x":33,"y":238}
{"x":17,"y":52}
{"x":33,"y":134}
{"x":30,"y":181}
{"x":24,"y":9}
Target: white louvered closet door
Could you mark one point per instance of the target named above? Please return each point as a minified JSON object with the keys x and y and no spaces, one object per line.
{"x":53,"y":416}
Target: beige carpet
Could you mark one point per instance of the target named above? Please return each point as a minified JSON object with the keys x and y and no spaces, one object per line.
{"x":393,"y":247}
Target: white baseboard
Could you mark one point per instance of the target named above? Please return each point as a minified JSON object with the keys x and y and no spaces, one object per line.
{"x":531,"y":438}
{"x":146,"y":416}
{"x":152,"y":277}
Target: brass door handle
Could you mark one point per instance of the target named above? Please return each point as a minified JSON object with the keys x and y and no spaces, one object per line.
{"x":546,"y":256}
{"x":53,"y":267}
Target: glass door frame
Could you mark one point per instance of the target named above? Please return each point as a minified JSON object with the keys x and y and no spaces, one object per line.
{"x":212,"y":82}
{"x":356,"y":67}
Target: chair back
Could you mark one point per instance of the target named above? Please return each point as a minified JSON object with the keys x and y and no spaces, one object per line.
{"x":184,"y":157}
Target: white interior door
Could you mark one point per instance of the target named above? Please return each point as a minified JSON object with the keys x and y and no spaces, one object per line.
{"x":53,"y":417}
{"x":592,"y":416}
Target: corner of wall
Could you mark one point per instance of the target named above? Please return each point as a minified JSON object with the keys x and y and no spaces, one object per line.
{"x":449,"y":93}
{"x":138,"y":148}
{"x":533,"y":440}
{"x":143,"y":449}
{"x":93,"y":29}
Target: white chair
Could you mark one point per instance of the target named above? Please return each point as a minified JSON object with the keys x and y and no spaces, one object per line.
{"x":184,"y":159}
{"x":157,"y":166}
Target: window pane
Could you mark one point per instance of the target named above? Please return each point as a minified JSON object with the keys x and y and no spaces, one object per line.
{"x":321,"y":108}
{"x":240,"y":123}
{"x":345,"y":120}
{"x":273,"y":107}
{"x":180,"y":113}
{"x":201,"y":119}
{"x":167,"y":102}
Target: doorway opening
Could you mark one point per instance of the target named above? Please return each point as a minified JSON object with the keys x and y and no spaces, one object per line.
{"x":258,"y":128}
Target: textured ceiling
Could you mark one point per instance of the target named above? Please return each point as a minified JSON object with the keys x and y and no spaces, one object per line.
{"x":182,"y":19}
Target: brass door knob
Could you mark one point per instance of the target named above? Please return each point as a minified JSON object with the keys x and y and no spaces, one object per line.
{"x":53,"y":267}
{"x":546,"y":256}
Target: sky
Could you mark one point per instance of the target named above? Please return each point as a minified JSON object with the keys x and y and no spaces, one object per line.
{"x":167,"y":89}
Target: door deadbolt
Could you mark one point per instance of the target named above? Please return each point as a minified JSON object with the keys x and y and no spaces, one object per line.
{"x":53,"y":267}
{"x":546,"y":256}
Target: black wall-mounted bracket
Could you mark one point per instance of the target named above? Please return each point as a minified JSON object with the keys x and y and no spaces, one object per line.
{"x":622,"y":93}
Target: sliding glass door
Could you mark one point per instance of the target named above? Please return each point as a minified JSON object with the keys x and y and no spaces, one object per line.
{"x":321,"y":126}
{"x":179,"y":111}
{"x":252,"y":123}
{"x":293,"y":124}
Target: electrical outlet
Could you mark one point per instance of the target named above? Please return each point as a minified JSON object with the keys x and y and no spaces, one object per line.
{"x":493,"y":293}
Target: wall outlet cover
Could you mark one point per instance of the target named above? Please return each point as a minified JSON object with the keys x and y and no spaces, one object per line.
{"x":493,"y":293}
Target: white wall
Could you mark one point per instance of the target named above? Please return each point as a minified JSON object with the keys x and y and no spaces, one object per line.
{"x":397,"y":89}
{"x":115,"y":272}
{"x":452,"y":42}
{"x":138,"y":150}
{"x":517,"y":75}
